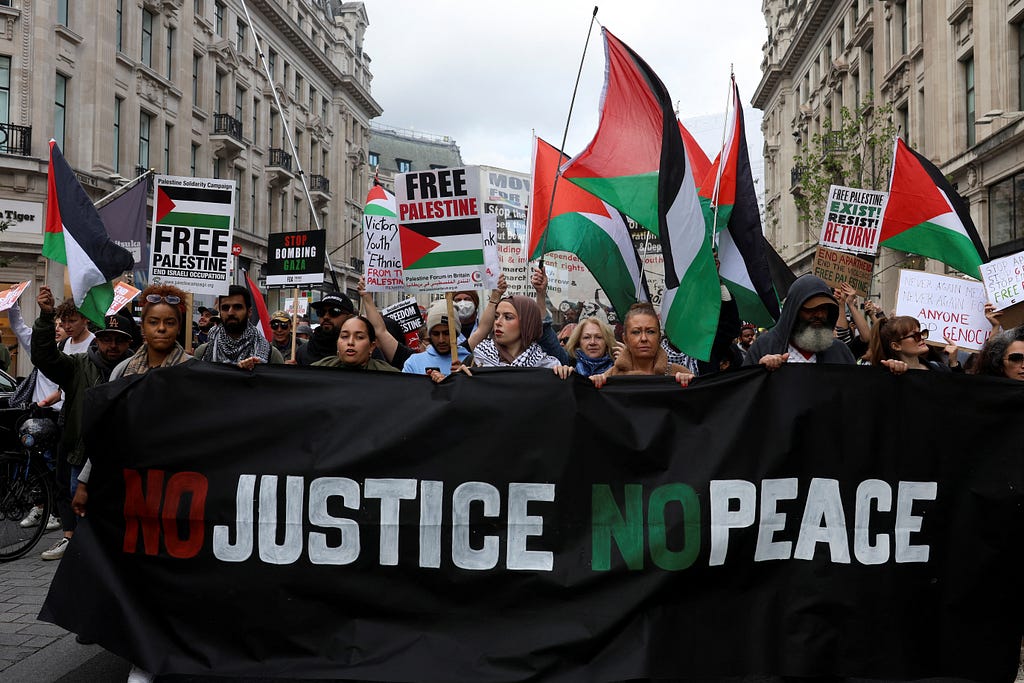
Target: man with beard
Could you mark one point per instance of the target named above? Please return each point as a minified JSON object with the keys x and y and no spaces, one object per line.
{"x":747,"y":334}
{"x":237,"y":340}
{"x":333,"y":310}
{"x":804,"y":333}
{"x":76,"y":373}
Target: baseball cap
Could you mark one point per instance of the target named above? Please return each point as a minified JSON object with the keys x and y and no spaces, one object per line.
{"x":117,"y":323}
{"x":334,"y":300}
{"x":281,"y":315}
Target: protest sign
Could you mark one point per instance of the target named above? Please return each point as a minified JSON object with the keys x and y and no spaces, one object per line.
{"x":853,"y":219}
{"x":950,"y":308}
{"x":492,"y":262}
{"x":506,"y":198}
{"x":382,"y":250}
{"x":296,"y":258}
{"x":289,"y":306}
{"x":397,"y":552}
{"x":9,"y":296}
{"x":837,"y":267}
{"x":407,"y":314}
{"x":123,"y":293}
{"x":439,"y":229}
{"x":193,"y":226}
{"x":1004,"y":280}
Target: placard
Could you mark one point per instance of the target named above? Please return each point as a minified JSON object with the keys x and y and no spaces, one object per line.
{"x":289,"y":306}
{"x":950,"y":308}
{"x":193,"y":227}
{"x":838,"y":267}
{"x":407,"y":314}
{"x":1004,"y":280}
{"x":123,"y":293}
{"x":853,"y":219}
{"x":382,"y":249}
{"x":296,"y":258}
{"x":9,"y":296}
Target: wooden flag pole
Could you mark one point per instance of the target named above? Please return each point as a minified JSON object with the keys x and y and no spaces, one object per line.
{"x":295,"y":319}
{"x":449,"y":298}
{"x":188,"y":323}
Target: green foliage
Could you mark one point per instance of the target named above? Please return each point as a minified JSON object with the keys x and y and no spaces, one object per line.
{"x":856,"y":153}
{"x":5,"y":261}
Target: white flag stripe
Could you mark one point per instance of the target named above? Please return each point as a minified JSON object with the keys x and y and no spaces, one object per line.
{"x":205,"y":208}
{"x":682,"y":217}
{"x":733,"y":268}
{"x":81,"y":269}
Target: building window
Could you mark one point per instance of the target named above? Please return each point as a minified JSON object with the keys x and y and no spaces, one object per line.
{"x":969,"y":99}
{"x":120,"y":23}
{"x":145,"y":122}
{"x":239,"y":103}
{"x":169,"y":55}
{"x":1006,"y":216}
{"x":168,"y":131}
{"x":299,"y":81}
{"x":197,"y":8}
{"x":192,"y":159}
{"x":404,"y":165}
{"x":117,"y":134}
{"x":252,"y":203}
{"x":374,"y":159}
{"x":5,"y":89}
{"x":272,"y":63}
{"x":218,"y":18}
{"x":324,"y":108}
{"x":904,"y":37}
{"x":217,"y":167}
{"x":240,"y":29}
{"x":197,"y":67}
{"x":60,"y":103}
{"x":147,"y":38}
{"x":62,"y":15}
{"x":312,"y":99}
{"x":255,"y":119}
{"x":218,"y":86}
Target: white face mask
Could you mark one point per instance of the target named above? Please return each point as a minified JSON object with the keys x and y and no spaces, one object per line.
{"x":465,"y":309}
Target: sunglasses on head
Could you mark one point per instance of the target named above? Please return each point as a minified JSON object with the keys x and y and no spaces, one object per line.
{"x":278,"y":325}
{"x":169,"y":299}
{"x":1015,"y":358}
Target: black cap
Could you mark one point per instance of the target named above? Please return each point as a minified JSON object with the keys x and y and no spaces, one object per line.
{"x":334,"y":300}
{"x":118,"y":323}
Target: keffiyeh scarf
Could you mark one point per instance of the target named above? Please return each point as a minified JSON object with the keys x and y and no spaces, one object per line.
{"x":138,"y":364}
{"x":223,"y":349}
{"x":486,"y":355}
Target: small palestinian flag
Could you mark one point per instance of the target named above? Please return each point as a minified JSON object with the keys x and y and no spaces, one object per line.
{"x":379,"y":202}
{"x":194,"y":207}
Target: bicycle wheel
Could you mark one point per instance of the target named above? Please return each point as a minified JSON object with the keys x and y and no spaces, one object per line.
{"x":23,"y":485}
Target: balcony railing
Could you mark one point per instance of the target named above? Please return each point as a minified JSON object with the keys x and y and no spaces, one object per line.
{"x":280,"y":159}
{"x":15,"y":139}
{"x":225,"y":124}
{"x":319,"y":183}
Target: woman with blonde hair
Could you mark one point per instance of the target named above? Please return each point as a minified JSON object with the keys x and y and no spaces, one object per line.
{"x":590,"y":345}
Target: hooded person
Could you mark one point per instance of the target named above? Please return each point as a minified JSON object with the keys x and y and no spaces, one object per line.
{"x":805,"y":331}
{"x":333,"y":310}
{"x":438,"y":355}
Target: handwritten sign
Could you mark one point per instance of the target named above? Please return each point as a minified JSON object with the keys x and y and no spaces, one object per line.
{"x":1004,"y":280}
{"x":9,"y":296}
{"x":837,"y":267}
{"x":948,"y":307}
{"x":853,"y":219}
{"x":123,"y":293}
{"x":382,"y":250}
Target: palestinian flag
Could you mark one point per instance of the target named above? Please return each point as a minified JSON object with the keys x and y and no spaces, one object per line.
{"x":583,"y":225}
{"x":75,"y":236}
{"x":729,"y":186}
{"x":194,"y":207}
{"x":637,"y":163}
{"x":379,"y":202}
{"x":259,"y":315}
{"x":925,"y":215}
{"x":695,"y":156}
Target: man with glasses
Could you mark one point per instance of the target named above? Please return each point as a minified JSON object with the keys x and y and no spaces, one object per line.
{"x":333,"y":310}
{"x":281,"y":335}
{"x":237,"y":340}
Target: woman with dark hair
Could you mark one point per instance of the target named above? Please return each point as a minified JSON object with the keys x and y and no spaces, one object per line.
{"x":513,"y":342}
{"x":163,"y":316}
{"x":356,"y":342}
{"x":591,"y":344}
{"x":902,"y":339}
{"x":1003,"y":355}
{"x":643,"y":354}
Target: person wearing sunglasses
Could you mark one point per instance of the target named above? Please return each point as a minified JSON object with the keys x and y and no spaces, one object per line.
{"x":237,"y":340}
{"x":333,"y":309}
{"x":902,"y":339}
{"x":281,"y":335}
{"x":1003,"y":355}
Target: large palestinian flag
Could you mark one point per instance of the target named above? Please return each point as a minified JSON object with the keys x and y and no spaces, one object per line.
{"x":729,"y":203}
{"x":583,"y":225}
{"x":75,"y":236}
{"x":925,"y":215}
{"x":637,"y":163}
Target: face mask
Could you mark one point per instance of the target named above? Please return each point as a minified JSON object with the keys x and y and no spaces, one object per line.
{"x":465,"y":309}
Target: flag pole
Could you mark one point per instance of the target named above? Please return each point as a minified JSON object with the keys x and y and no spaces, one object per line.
{"x":721,"y":150}
{"x":565,"y":135}
{"x":103,"y":201}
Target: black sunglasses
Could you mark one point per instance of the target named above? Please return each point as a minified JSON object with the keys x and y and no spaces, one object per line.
{"x":334,"y":312}
{"x":278,"y":325}
{"x":917,"y":336}
{"x":1017,"y":358}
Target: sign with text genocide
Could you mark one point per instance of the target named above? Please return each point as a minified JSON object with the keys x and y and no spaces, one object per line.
{"x":950,"y":308}
{"x":296,"y":258}
{"x":193,"y":225}
{"x":853,"y":219}
{"x":439,"y":229}
{"x":607,"y":535}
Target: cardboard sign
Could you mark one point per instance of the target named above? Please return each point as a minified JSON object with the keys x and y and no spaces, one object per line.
{"x":837,"y":267}
{"x":382,"y":249}
{"x":9,"y":296}
{"x":296,"y":258}
{"x":407,"y":314}
{"x":289,"y":306}
{"x":853,"y":219}
{"x":193,"y":227}
{"x":123,"y":293}
{"x":1004,"y":280}
{"x":506,"y":196}
{"x":950,"y":308}
{"x":439,"y":215}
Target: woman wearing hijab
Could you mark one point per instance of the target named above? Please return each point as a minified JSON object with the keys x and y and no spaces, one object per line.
{"x":513,"y":342}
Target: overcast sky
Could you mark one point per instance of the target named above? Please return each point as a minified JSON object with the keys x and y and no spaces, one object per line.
{"x":488,"y":74}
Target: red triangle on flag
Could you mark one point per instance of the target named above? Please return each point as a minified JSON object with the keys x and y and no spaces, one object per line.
{"x":377,"y":192}
{"x":164,"y":204}
{"x":414,"y":245}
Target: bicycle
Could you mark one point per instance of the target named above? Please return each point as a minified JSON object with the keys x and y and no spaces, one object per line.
{"x":26,"y":481}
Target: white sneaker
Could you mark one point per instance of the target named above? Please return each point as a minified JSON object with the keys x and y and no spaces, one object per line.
{"x":53,"y":523}
{"x":138,"y":675}
{"x":32,"y":518}
{"x":56,"y":551}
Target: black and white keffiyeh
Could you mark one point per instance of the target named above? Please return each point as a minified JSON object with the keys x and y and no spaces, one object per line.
{"x":221,"y":348}
{"x":486,"y":355}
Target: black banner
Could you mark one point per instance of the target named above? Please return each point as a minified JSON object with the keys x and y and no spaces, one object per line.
{"x":296,"y":258}
{"x":817,"y":521}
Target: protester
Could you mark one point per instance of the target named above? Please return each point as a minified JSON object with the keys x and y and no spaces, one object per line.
{"x":746,"y":338}
{"x":75,"y":373}
{"x":281,"y":335}
{"x":1003,"y":355}
{"x":333,"y":310}
{"x":858,"y":336}
{"x":513,"y":343}
{"x":303,"y":332}
{"x":548,"y":341}
{"x":804,"y":333}
{"x":643,"y":354}
{"x":237,"y":341}
{"x":467,"y":305}
{"x":901,"y":338}
{"x":356,"y":343}
{"x":591,"y":344}
{"x":436,"y":361}
{"x":203,"y":325}
{"x":75,"y":326}
{"x":390,"y":339}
